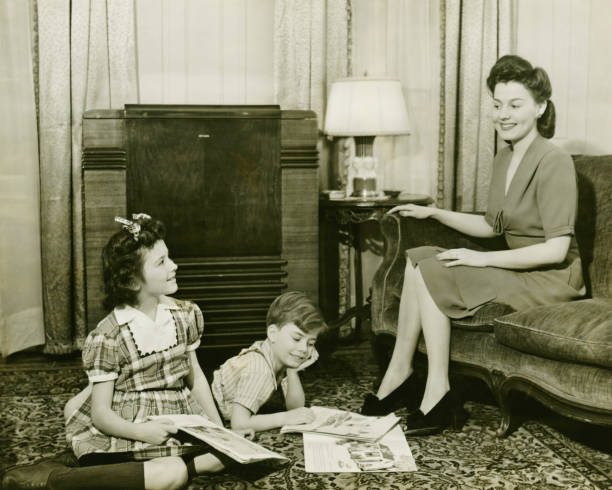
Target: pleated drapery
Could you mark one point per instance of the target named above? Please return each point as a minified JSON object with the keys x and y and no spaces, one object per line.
{"x":21,"y":305}
{"x":87,"y":60}
{"x":474,"y":34}
{"x":310,"y":52}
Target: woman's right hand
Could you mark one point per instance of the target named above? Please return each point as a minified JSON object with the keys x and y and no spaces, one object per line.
{"x":413,"y":211}
{"x":157,"y":431}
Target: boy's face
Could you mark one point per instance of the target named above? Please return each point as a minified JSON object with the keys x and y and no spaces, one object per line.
{"x":290,"y":344}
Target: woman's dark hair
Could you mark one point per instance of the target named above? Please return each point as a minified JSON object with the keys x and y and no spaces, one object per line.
{"x":122,"y":260}
{"x":512,"y":68}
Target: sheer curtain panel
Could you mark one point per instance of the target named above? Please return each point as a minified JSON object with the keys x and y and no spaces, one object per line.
{"x":21,"y":313}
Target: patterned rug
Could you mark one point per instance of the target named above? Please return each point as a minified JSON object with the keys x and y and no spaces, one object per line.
{"x":536,"y":455}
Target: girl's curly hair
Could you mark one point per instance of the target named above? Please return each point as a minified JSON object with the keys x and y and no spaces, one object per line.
{"x":122,"y":261}
{"x":512,"y":68}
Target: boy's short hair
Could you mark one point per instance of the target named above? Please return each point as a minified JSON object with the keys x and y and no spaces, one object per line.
{"x":295,"y":307}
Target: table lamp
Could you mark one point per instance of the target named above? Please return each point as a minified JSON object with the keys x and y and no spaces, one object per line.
{"x":365,"y":108}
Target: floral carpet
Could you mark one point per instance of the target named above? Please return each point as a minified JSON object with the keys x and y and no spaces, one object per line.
{"x":536,"y":455}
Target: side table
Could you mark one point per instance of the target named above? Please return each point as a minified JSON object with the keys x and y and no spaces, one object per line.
{"x":340,"y":230}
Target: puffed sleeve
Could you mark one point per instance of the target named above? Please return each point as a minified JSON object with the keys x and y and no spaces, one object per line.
{"x":557,"y":194}
{"x":101,"y":358}
{"x":195,"y":326}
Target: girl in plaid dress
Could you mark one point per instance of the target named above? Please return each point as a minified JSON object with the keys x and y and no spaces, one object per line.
{"x":141,"y":362}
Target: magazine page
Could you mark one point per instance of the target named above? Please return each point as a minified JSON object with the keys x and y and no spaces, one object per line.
{"x":222,"y":439}
{"x":341,"y":423}
{"x":328,"y":454}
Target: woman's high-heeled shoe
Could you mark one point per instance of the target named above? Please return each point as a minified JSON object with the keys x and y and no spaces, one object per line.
{"x":448,"y":411}
{"x":407,"y":394}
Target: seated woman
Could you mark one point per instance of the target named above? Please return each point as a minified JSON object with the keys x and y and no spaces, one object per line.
{"x":532,"y":202}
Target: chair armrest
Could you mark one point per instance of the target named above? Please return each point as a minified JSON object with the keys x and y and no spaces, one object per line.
{"x":399,"y":234}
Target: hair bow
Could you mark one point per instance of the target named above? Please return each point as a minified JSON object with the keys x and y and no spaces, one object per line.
{"x":132,"y":227}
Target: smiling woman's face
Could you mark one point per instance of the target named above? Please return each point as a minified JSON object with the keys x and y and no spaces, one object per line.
{"x":515,"y":111}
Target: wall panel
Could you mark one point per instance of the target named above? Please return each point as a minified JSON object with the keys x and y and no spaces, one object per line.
{"x":205,"y":51}
{"x":571,"y":39}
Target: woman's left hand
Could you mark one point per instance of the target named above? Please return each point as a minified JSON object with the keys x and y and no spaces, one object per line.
{"x":463,"y":256}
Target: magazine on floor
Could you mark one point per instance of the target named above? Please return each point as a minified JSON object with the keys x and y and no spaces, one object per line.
{"x":327,"y":454}
{"x":349,"y":425}
{"x":222,"y":439}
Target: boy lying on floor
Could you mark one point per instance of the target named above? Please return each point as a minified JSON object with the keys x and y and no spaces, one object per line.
{"x":245,"y":383}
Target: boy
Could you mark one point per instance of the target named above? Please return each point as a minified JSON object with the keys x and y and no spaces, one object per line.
{"x":247,"y":381}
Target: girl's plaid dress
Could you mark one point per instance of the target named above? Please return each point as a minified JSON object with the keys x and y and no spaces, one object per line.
{"x":149,"y":362}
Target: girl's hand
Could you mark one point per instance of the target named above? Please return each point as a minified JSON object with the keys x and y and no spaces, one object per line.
{"x":413,"y":211}
{"x":157,"y":431}
{"x":463,"y":256}
{"x":298,"y":416}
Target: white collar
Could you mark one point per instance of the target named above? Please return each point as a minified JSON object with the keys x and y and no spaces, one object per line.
{"x":150,"y":336}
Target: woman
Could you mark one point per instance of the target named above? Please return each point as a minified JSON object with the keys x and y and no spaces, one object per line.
{"x":532,"y":202}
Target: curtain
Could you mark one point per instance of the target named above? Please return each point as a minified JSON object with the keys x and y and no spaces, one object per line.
{"x":87,"y":60}
{"x":310,"y":51}
{"x":312,"y":42}
{"x":400,"y":39}
{"x":474,"y":34}
{"x":21,"y":313}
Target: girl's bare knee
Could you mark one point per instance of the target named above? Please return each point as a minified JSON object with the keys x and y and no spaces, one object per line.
{"x":168,"y":473}
{"x":207,"y":463}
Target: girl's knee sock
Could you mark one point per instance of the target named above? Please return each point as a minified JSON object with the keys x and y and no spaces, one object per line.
{"x":119,"y":476}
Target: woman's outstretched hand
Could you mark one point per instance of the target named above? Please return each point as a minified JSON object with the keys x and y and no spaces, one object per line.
{"x":413,"y":210}
{"x":463,"y":256}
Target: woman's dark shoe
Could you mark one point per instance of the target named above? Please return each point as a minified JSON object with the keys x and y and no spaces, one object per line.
{"x":408,"y":394}
{"x":448,"y":412}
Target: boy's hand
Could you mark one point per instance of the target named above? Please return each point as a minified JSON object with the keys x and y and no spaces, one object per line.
{"x":246,"y":433}
{"x":157,"y":431}
{"x":312,"y":358}
{"x":300,"y":415}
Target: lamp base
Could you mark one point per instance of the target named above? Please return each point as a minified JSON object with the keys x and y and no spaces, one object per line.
{"x":364,"y":187}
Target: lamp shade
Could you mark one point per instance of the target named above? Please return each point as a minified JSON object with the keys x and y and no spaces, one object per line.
{"x":366,"y":106}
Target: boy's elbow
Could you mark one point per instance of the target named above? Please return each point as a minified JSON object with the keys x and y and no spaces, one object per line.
{"x":241,"y":423}
{"x":291,"y":404}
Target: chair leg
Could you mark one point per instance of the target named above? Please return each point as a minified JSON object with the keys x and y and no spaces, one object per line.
{"x":508,"y":423}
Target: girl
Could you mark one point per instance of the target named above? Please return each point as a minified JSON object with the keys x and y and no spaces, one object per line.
{"x":532,"y":202}
{"x":141,"y":361}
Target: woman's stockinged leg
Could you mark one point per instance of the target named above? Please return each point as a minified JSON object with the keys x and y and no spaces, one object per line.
{"x":408,"y":331}
{"x":436,"y":330}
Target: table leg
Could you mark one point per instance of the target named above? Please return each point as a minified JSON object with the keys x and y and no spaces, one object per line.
{"x":358,"y":280}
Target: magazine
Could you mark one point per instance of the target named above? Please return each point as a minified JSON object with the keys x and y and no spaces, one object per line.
{"x":222,"y":439}
{"x":349,"y":425}
{"x":327,"y":454}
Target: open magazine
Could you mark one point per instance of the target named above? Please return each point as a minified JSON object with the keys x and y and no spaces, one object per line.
{"x":349,"y":425}
{"x":327,"y":454}
{"x":222,"y":439}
